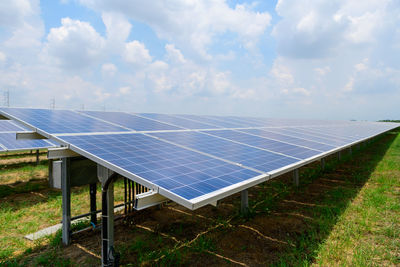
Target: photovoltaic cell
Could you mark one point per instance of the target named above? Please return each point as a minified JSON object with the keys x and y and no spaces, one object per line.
{"x":131,"y":121}
{"x":10,"y":126}
{"x":219,"y":122}
{"x":264,"y":143}
{"x":186,"y":173}
{"x":311,"y":137}
{"x":289,"y":139}
{"x":247,"y":156}
{"x":61,"y":121}
{"x":9,"y":141}
{"x":178,"y":121}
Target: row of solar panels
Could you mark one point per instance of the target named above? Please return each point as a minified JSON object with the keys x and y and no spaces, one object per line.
{"x":8,"y":142}
{"x":67,"y":121}
{"x":190,"y":159}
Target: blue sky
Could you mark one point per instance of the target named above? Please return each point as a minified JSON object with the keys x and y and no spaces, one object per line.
{"x":297,"y":59}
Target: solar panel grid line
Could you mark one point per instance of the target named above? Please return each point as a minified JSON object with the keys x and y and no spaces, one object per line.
{"x":171,"y":124}
{"x":238,"y":142}
{"x":308,"y":130}
{"x":210,"y":181}
{"x":11,"y":117}
{"x":188,"y":117}
{"x":92,"y":133}
{"x":57,"y":121}
{"x":278,"y":140}
{"x":10,"y":143}
{"x":238,"y":170}
{"x":211,"y":121}
{"x":291,"y":134}
{"x":350,"y":135}
{"x":19,"y":126}
{"x":297,"y":165}
{"x":111,"y":166}
{"x":242,"y":155}
{"x":206,"y":199}
{"x":316,"y":136}
{"x":96,"y":118}
{"x":8,"y":126}
{"x":205,"y":154}
{"x":167,"y":118}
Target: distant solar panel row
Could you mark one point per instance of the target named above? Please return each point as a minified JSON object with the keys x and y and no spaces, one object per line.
{"x":190,"y":157}
{"x":8,"y":142}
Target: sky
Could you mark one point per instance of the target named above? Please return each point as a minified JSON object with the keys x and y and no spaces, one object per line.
{"x":336,"y":59}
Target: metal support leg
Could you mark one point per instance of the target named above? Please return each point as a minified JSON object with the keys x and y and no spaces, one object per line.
{"x":109,"y":257}
{"x":93,"y":207}
{"x":350,"y":151}
{"x":339,"y":155}
{"x":296,"y":177}
{"x":125,"y":196}
{"x":245,"y":202}
{"x":323,"y":164}
{"x":37,"y":157}
{"x":66,"y":202}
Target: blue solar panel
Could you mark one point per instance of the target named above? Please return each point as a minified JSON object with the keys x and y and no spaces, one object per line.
{"x":336,"y":142}
{"x":10,"y":126}
{"x":327,"y":134}
{"x":178,"y":121}
{"x":131,"y":121}
{"x":183,"y":172}
{"x":247,"y":156}
{"x":289,"y":139}
{"x":61,"y":121}
{"x":9,"y":141}
{"x":218,"y":122}
{"x":264,"y":143}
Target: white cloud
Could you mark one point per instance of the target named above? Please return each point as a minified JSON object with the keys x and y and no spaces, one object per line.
{"x":117,"y":29}
{"x":108,"y":69}
{"x":75,"y":45}
{"x":2,"y":57}
{"x":137,"y":53}
{"x":192,"y":24}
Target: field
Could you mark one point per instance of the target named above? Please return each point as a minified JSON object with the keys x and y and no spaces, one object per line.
{"x":348,"y":214}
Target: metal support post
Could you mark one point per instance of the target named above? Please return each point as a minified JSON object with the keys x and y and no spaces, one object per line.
{"x":350,"y":151}
{"x":339,"y":155}
{"x":37,"y":157}
{"x":125,"y":196}
{"x":244,"y":208}
{"x":93,"y":207}
{"x":66,"y":202}
{"x":108,"y":255}
{"x":323,"y":164}
{"x":296,"y":177}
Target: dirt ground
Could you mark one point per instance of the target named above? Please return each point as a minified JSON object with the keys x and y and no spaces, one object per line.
{"x":281,"y":219}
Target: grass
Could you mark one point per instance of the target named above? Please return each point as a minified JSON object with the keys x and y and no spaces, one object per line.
{"x":29,"y":205}
{"x":346,"y":215}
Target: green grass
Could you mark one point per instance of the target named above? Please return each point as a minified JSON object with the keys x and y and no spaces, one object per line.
{"x":349,"y":217}
{"x":26,"y":207}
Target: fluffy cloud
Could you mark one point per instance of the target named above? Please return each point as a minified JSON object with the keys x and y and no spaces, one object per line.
{"x":136,"y":53}
{"x":192,"y":24}
{"x":75,"y":45}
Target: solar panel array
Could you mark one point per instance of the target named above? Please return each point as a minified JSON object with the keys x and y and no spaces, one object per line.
{"x":193,"y":159}
{"x":8,"y":142}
